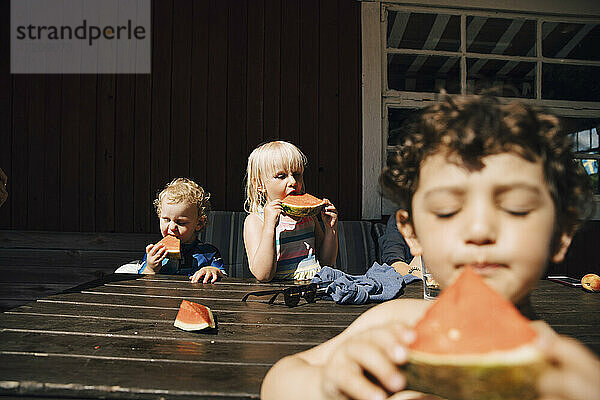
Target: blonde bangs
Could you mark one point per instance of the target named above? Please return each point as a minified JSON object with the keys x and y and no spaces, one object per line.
{"x":265,"y":161}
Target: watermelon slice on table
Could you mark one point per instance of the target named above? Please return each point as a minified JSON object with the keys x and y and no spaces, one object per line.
{"x":194,"y":317}
{"x":173,"y":246}
{"x":473,"y":344}
{"x":302,"y":205}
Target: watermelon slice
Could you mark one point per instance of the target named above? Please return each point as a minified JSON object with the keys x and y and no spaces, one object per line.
{"x":194,"y":317}
{"x":173,"y":246}
{"x":472,"y":344}
{"x":302,"y":205}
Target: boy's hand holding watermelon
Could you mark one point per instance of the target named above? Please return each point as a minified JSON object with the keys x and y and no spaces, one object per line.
{"x":573,"y":372}
{"x":155,"y":254}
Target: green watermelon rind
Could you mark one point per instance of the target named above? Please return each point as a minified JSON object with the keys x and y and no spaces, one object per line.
{"x":509,"y":375}
{"x":298,"y":211}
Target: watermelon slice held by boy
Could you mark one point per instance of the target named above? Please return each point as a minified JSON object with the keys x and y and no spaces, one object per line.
{"x":472,"y":344}
{"x":302,"y":205}
{"x":173,"y":246}
{"x":194,"y":317}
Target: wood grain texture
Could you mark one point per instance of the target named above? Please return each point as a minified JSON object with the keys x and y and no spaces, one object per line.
{"x":199,"y":167}
{"x":180,"y":151}
{"x":104,"y":337}
{"x":124,"y":153}
{"x":309,"y":92}
{"x":95,"y":342}
{"x":87,"y":148}
{"x":255,"y":75}
{"x":329,"y":134}
{"x":216,"y":144}
{"x":162,"y":61}
{"x":70,"y":154}
{"x":272,"y":68}
{"x":104,"y":180}
{"x":226,"y":76}
{"x":237,"y":60}
{"x":6,"y":81}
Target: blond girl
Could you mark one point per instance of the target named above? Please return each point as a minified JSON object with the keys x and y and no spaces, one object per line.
{"x":280,"y":246}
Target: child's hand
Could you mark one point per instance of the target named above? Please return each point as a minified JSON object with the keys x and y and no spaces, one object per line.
{"x":375,"y":353}
{"x":209,"y":273}
{"x":574,"y":370}
{"x":272,"y":211}
{"x":329,"y":215}
{"x":155,"y":254}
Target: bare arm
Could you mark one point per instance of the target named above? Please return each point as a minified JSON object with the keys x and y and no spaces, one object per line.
{"x":415,"y":267}
{"x":259,"y":240}
{"x":374,"y":345}
{"x":327,"y":241}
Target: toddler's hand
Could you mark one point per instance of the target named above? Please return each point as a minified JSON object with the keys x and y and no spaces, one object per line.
{"x":574,"y":370}
{"x":375,"y":353}
{"x":329,"y":215}
{"x":155,"y":253}
{"x":272,"y":211}
{"x":209,"y":273}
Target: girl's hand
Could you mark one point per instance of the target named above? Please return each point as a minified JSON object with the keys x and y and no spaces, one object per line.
{"x":272,"y":211}
{"x":366,"y":365}
{"x":209,"y":273}
{"x":574,"y":369}
{"x":329,"y":215}
{"x":155,"y":254}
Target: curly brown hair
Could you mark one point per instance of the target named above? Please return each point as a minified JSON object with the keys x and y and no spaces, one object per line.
{"x":472,"y":127}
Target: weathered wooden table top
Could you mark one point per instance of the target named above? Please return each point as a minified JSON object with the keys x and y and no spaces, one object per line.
{"x":117,"y":339}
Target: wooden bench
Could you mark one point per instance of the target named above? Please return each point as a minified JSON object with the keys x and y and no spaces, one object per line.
{"x":37,"y":264}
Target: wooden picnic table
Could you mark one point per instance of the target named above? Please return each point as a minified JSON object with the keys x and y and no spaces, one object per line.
{"x":116,"y":339}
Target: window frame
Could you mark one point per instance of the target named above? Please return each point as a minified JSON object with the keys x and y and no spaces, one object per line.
{"x":377,"y":98}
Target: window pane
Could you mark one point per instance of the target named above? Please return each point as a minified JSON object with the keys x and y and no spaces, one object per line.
{"x":585,"y":135}
{"x":515,"y":37}
{"x":570,"y":82}
{"x":423,"y":31}
{"x":508,"y":78}
{"x":421,"y":73}
{"x":571,"y":40}
{"x":591,"y":167}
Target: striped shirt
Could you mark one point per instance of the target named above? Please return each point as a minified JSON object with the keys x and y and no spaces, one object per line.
{"x":295,"y":248}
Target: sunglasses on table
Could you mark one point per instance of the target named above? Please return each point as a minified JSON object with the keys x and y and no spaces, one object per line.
{"x":291,"y":295}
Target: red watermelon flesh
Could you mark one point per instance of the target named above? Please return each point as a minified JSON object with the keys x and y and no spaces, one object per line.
{"x":469,"y":317}
{"x":472,"y":344}
{"x":173,"y":246}
{"x":301,"y":205}
{"x":194,"y":317}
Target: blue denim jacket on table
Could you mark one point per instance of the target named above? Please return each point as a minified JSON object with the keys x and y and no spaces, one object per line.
{"x":380,"y":283}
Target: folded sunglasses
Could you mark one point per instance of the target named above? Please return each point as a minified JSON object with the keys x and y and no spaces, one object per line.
{"x":291,"y":295}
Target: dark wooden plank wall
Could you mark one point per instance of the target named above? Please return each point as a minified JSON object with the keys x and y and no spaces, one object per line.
{"x":89,"y":152}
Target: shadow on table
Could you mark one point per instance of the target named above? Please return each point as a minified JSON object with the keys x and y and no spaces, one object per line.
{"x":101,"y":281}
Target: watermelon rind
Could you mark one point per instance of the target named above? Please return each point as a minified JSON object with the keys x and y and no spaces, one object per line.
{"x":302,"y":211}
{"x":173,"y":255}
{"x":501,"y":375}
{"x":191,"y":327}
{"x":188,"y":307}
{"x":296,"y":211}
